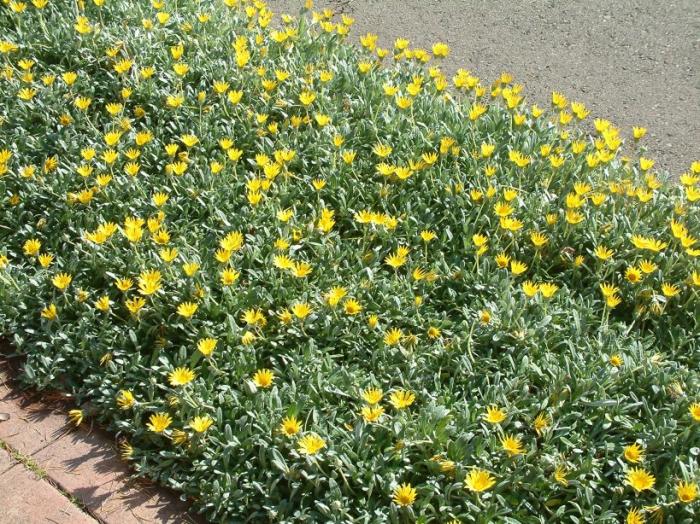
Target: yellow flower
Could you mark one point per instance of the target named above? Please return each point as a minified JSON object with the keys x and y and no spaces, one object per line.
{"x":301,"y":310}
{"x":538,"y":239}
{"x":310,"y":444}
{"x":603,"y":253}
{"x":560,"y":475}
{"x":76,"y":416}
{"x":290,"y":426}
{"x":613,"y":301}
{"x":45,"y":259}
{"x":635,"y":516}
{"x":548,"y":289}
{"x":634,"y":453}
{"x":615,"y":361}
{"x":687,"y":492}
{"x":135,"y":304}
{"x":62,"y":281}
{"x":181,"y":376}
{"x":187,"y":309}
{"x":517,"y":268}
{"x":694,"y":410}
{"x":159,"y":422}
{"x":540,"y":423}
{"x":494,"y":415}
{"x":149,"y":282}
{"x":609,"y":290}
{"x":404,"y":495}
{"x":512,"y":445}
{"x":201,"y":424}
{"x":638,"y":132}
{"x":402,"y":399}
{"x":352,"y":307}
{"x":31,"y":247}
{"x":263,"y":378}
{"x":372,"y":413}
{"x":372,"y":395}
{"x":440,"y":50}
{"x":640,"y":479}
{"x":125,"y":399}
{"x":206,"y":346}
{"x":670,"y":290}
{"x":633,"y":275}
{"x":530,"y":288}
{"x":393,"y":337}
{"x":478,"y":480}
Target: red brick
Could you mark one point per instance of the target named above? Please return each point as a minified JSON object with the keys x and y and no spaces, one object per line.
{"x":30,"y":500}
{"x":85,"y":465}
{"x":32,"y":426}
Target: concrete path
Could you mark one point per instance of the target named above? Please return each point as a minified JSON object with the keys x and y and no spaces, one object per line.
{"x":635,"y":62}
{"x":51,"y":471}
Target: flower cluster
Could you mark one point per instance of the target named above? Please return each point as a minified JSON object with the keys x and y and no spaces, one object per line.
{"x":309,"y":277}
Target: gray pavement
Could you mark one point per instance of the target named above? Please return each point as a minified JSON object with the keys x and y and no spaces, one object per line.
{"x":635,"y":62}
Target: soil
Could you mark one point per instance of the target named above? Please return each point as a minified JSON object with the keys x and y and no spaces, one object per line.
{"x":634,"y":62}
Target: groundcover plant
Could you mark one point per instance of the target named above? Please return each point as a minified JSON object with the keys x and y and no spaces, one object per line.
{"x":306,"y":279}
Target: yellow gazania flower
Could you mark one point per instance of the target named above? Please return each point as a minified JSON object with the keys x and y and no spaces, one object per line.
{"x":372,"y":414}
{"x":301,"y":310}
{"x":290,"y":426}
{"x":393,"y":337}
{"x":404,"y":495}
{"x":633,"y":275}
{"x":181,"y":376}
{"x":615,"y":361}
{"x":517,"y":267}
{"x":372,"y":396}
{"x":76,"y":416}
{"x":538,"y":239}
{"x":640,"y":479}
{"x":187,"y":309}
{"x":159,"y":422}
{"x":603,"y":253}
{"x":335,"y":295}
{"x":613,"y":301}
{"x":352,"y":307}
{"x":124,"y":284}
{"x":530,"y":288}
{"x":206,"y":346}
{"x":302,"y":269}
{"x":694,"y":410}
{"x":494,"y":415}
{"x":634,"y":453}
{"x":512,"y":445}
{"x":670,"y":290}
{"x":263,"y":378}
{"x":609,"y":290}
{"x":647,"y":266}
{"x":540,"y":423}
{"x":125,"y":399}
{"x":478,"y":480}
{"x":62,"y":281}
{"x":635,"y":516}
{"x":45,"y":259}
{"x":402,"y":399}
{"x":201,"y":424}
{"x":687,"y":492}
{"x":310,"y":444}
{"x":548,"y":289}
{"x":560,"y":475}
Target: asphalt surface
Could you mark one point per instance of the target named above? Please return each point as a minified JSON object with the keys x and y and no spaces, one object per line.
{"x":634,"y":62}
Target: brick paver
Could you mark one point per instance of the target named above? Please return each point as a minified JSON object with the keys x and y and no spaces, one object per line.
{"x":27,"y":499}
{"x":83,"y":462}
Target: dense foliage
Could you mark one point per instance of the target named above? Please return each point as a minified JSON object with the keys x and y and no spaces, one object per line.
{"x":306,"y":280}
